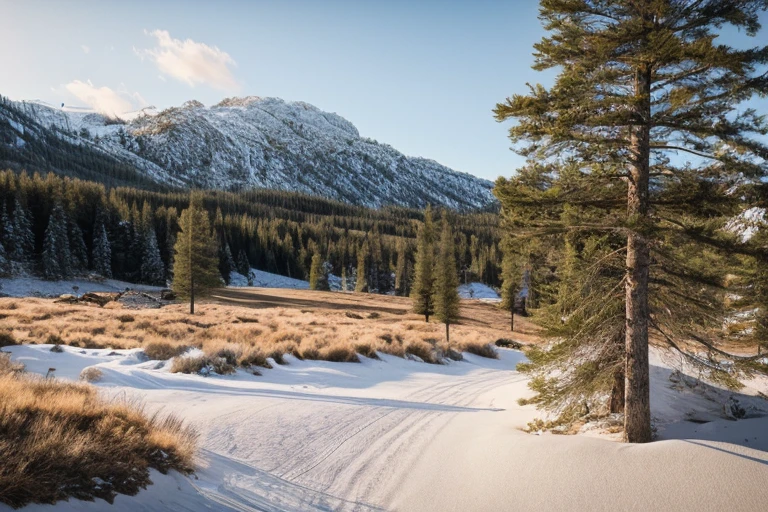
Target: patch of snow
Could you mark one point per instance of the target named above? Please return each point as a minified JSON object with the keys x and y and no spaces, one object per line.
{"x":478,"y":291}
{"x":36,"y":287}
{"x":262,"y":279}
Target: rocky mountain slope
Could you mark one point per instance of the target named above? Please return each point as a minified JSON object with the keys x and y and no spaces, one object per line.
{"x":247,"y":142}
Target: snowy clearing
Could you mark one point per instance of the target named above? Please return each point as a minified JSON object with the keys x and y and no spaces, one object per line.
{"x":36,"y":287}
{"x":398,"y":434}
{"x":478,"y":291}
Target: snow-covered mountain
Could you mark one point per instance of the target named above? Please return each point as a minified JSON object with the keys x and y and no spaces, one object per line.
{"x":256,"y":142}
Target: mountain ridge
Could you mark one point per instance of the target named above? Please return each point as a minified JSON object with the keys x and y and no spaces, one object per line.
{"x":255,"y":142}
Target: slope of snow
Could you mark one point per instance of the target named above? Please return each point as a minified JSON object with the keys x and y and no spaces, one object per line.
{"x":269,"y":143}
{"x":262,"y":279}
{"x":398,"y":434}
{"x":35,"y":287}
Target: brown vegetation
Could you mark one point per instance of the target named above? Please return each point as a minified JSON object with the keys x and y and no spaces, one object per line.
{"x":62,"y":440}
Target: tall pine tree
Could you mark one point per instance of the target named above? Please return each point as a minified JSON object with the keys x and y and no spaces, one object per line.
{"x":643,"y":121}
{"x":152,"y":268}
{"x":57,"y":258}
{"x":446,"y":287}
{"x":423,"y":280}
{"x":101,"y":254}
{"x":196,"y":258}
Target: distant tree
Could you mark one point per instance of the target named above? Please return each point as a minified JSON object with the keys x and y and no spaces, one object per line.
{"x":401,"y":269}
{"x":446,"y":286}
{"x":422,"y":287}
{"x":24,"y":244}
{"x":195,"y":263}
{"x":57,"y":257}
{"x":226,"y":262}
{"x":5,"y":262}
{"x":152,"y":268}
{"x":510,"y":287}
{"x":243,"y":265}
{"x":77,"y":247}
{"x":102,"y":251}
{"x":361,"y":276}
{"x":318,"y":278}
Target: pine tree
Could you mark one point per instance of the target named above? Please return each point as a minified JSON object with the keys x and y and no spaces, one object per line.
{"x":316,"y":273}
{"x":195,"y":263}
{"x":102,"y":251}
{"x":152,"y":268}
{"x":243,"y":265}
{"x":77,"y":246}
{"x":401,"y":269}
{"x":226,"y":263}
{"x":24,"y":238}
{"x":446,"y":287}
{"x":423,"y":280}
{"x":57,"y":258}
{"x":8,"y":237}
{"x":361,"y":274}
{"x":5,"y":262}
{"x":510,"y":286}
{"x":639,"y":83}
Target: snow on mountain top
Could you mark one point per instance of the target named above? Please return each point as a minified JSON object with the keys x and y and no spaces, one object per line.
{"x":266,"y":143}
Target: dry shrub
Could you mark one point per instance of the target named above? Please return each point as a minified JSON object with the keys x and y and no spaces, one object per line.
{"x":57,"y":349}
{"x":202,"y":364}
{"x":126,"y":318}
{"x":54,"y":339}
{"x":7,"y":339}
{"x":366,"y":349}
{"x":91,"y":374}
{"x":480,"y":349}
{"x":8,"y":367}
{"x":84,"y":342}
{"x":350,"y":314}
{"x":374,"y":315}
{"x":62,"y":440}
{"x":339,"y":353}
{"x":423,"y":350}
{"x":163,"y":350}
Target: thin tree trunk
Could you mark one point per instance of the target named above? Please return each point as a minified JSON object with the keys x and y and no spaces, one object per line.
{"x":512,"y":316}
{"x":447,"y":332}
{"x":617,"y":393}
{"x":637,"y":415}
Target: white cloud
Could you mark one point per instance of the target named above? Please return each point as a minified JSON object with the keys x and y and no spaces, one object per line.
{"x":105,"y":100}
{"x":86,"y":48}
{"x":191,"y":62}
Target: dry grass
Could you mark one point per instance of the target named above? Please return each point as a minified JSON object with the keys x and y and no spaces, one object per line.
{"x":91,"y":374}
{"x":249,"y":337}
{"x":61,"y":440}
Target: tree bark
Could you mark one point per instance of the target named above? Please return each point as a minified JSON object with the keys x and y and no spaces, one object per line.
{"x":512,"y":317}
{"x":191,"y":270}
{"x":447,"y":332}
{"x":637,"y":414}
{"x":617,"y":392}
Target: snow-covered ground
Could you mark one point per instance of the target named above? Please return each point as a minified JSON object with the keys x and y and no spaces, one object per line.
{"x":478,"y":291}
{"x":262,"y":279}
{"x":397,"y":434}
{"x":36,"y":287}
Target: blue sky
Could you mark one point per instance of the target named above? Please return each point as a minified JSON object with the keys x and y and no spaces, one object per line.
{"x":422,"y":76}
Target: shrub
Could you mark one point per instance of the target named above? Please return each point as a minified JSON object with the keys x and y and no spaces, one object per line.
{"x":54,"y":339}
{"x":422,"y":350}
{"x":57,"y":348}
{"x":7,"y":339}
{"x":163,"y":350}
{"x":480,"y":349}
{"x":91,"y":374}
{"x":7,"y":366}
{"x":126,"y":318}
{"x":201,"y":364}
{"x":350,"y":314}
{"x":508,"y":343}
{"x":339,"y":353}
{"x":366,"y":349}
{"x":374,"y":315}
{"x":68,"y":442}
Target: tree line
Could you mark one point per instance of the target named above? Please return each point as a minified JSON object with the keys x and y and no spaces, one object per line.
{"x":60,"y":227}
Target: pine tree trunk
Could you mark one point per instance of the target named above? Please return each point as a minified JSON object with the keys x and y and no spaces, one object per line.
{"x":617,"y":393}
{"x":637,"y":415}
{"x":512,"y":316}
{"x":191,"y":271}
{"x":447,"y":332}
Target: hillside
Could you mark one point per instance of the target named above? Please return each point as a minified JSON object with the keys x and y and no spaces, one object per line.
{"x":238,"y":143}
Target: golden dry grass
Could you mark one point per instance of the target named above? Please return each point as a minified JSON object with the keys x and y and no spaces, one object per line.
{"x":62,"y":440}
{"x":248,"y":327}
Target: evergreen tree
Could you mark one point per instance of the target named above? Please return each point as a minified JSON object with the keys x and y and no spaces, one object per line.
{"x":361,"y":272}
{"x":226,"y":263}
{"x":318,"y":274}
{"x":5,"y":262}
{"x":77,"y":247}
{"x":401,"y":269}
{"x":640,"y":82}
{"x":8,"y":237}
{"x":152,"y":268}
{"x":243,"y":265}
{"x":102,"y":251}
{"x":57,"y":258}
{"x":24,"y":238}
{"x":423,"y":280}
{"x":195,"y":263}
{"x":510,"y":286}
{"x":446,"y":287}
